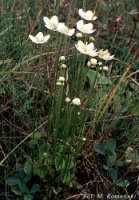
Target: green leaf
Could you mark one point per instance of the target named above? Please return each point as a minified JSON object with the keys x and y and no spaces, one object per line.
{"x":65,"y":176}
{"x":135,"y":110}
{"x":12,"y":180}
{"x":43,"y":148}
{"x":113,"y":174}
{"x":36,"y":136}
{"x":69,"y":162}
{"x":98,"y":78}
{"x":111,"y":145}
{"x":35,"y":188}
{"x":112,"y":157}
{"x":28,"y":166}
{"x":15,"y":190}
{"x":41,"y":171}
{"x":122,"y":182}
{"x":23,"y":187}
{"x":59,"y":162}
{"x":28,"y":197}
{"x":99,"y":148}
{"x":32,"y":143}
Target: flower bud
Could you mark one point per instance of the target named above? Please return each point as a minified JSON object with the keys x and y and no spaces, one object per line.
{"x":63,"y":66}
{"x":91,"y":38}
{"x":44,"y":154}
{"x":79,"y":35}
{"x":105,"y":68}
{"x":99,"y":63}
{"x":67,"y":99}
{"x":62,"y":58}
{"x":58,"y":83}
{"x":76,"y":101}
{"x":83,"y":139}
{"x":88,"y":63}
{"x":61,"y":79}
{"x":93,"y":61}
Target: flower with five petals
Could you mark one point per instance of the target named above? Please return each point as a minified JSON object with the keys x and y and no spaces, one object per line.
{"x":86,"y":48}
{"x":88,"y":15}
{"x":85,"y":28}
{"x":51,"y":23}
{"x":104,"y":54}
{"x":39,"y":38}
{"x":62,"y":28}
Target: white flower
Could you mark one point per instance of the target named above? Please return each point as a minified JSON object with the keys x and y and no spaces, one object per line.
{"x":61,"y":79}
{"x":105,"y":68}
{"x":62,"y":58}
{"x":62,"y":28}
{"x":87,"y":49}
{"x":79,"y":35}
{"x":105,"y":55}
{"x":89,"y":15}
{"x":67,"y":99}
{"x":63,"y":66}
{"x":51,"y":23}
{"x":93,"y":61}
{"x":39,"y":38}
{"x":76,"y":101}
{"x":85,"y":28}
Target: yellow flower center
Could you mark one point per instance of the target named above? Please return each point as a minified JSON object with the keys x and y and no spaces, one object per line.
{"x":54,"y":26}
{"x":40,"y":39}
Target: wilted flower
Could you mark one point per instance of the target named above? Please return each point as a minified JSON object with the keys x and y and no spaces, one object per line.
{"x":93,"y":61}
{"x":76,"y":101}
{"x":85,"y":28}
{"x":62,"y":58}
{"x":87,"y":49}
{"x":62,"y":28}
{"x":79,"y":35}
{"x":63,"y":66}
{"x":67,"y":99}
{"x":61,"y":79}
{"x":89,"y":15}
{"x":51,"y":23}
{"x":105,"y":55}
{"x":39,"y":38}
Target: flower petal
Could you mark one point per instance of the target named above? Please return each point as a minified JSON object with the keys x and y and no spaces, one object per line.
{"x":32,"y":38}
{"x":54,"y":19}
{"x":46,"y":38}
